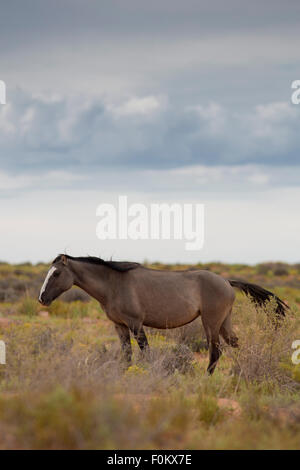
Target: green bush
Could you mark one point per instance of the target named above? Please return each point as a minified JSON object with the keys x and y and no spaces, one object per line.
{"x":28,"y":306}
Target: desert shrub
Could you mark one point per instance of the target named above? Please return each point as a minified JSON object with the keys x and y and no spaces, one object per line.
{"x":59,"y":309}
{"x":252,"y":403}
{"x":12,"y":289}
{"x":281,"y":269}
{"x":296,"y":372}
{"x":14,"y":283}
{"x":208,"y":409}
{"x":8,"y":295}
{"x":192,"y":335}
{"x":28,"y":306}
{"x":280,"y":272}
{"x":179,"y":357}
{"x":69,"y":310}
{"x":278,"y":269}
{"x":264,"y":355}
{"x":67,"y":419}
{"x":264,"y":268}
{"x":83,"y":418}
{"x":39,"y":355}
{"x":135,"y":370}
{"x":297,"y":267}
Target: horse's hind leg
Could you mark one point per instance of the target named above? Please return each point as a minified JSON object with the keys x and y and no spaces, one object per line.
{"x":212,"y":323}
{"x":227,"y":333}
{"x":214,"y":353}
{"x":214,"y":348}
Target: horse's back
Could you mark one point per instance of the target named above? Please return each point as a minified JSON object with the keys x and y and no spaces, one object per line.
{"x":169,"y":299}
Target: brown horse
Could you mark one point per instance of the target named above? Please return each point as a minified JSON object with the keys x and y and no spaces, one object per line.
{"x":134,"y":296}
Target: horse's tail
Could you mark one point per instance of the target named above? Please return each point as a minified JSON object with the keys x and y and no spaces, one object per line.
{"x":259,"y":295}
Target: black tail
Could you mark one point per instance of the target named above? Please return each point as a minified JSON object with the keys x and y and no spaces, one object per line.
{"x":259,"y":295}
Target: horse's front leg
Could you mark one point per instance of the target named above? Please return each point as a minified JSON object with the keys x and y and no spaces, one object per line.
{"x":124,"y":335}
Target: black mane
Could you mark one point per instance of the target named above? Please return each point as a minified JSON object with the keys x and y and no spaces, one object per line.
{"x":121,"y":266}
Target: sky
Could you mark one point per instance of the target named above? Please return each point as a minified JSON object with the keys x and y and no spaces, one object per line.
{"x":164,"y":102}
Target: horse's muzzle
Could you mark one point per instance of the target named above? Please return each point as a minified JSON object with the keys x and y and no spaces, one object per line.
{"x":44,"y":302}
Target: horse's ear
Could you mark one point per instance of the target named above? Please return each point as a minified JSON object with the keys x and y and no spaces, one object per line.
{"x":64,"y":260}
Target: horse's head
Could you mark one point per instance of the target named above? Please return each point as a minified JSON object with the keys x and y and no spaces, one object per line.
{"x":58,"y":280}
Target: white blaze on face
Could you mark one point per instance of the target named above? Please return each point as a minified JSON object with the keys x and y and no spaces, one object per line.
{"x":50,"y":272}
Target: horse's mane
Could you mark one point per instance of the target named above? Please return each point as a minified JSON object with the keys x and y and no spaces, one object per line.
{"x":121,"y":266}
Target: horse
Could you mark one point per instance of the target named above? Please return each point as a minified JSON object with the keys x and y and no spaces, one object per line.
{"x":134,"y":296}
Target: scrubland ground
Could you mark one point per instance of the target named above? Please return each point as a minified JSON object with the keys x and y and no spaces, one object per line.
{"x":63,"y":386}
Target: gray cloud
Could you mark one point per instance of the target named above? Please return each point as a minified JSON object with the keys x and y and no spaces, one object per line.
{"x":51,"y":133}
{"x":120,"y":17}
{"x":235,"y":52}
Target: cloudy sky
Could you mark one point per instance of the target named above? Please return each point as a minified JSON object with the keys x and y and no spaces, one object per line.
{"x":162,"y":101}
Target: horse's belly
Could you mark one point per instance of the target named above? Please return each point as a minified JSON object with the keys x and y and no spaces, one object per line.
{"x":169,"y":302}
{"x":170,"y":318}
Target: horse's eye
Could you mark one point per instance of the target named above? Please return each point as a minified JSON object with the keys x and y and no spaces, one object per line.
{"x":56,"y":273}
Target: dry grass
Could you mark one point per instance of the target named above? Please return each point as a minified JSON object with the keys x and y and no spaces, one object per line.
{"x":63,"y":385}
{"x":264,"y":353}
